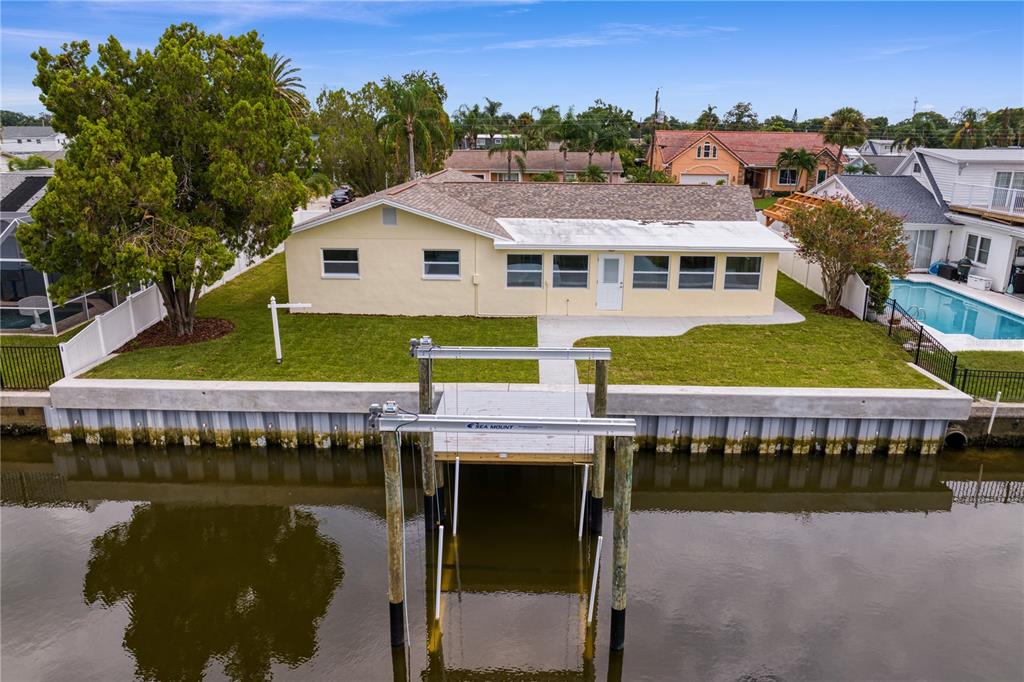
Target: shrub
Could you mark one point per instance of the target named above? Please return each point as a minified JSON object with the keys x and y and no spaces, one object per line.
{"x":879,"y":285}
{"x":546,"y":176}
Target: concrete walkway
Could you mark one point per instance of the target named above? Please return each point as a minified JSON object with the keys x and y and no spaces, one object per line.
{"x":564,"y":331}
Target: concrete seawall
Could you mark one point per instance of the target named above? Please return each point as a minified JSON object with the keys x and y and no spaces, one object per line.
{"x":669,"y":418}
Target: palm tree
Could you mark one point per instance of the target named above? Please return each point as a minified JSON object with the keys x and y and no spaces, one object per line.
{"x":412,"y":111}
{"x":512,"y":146}
{"x":593,"y":173}
{"x":865,"y":169}
{"x":846,"y":127}
{"x":800,"y":160}
{"x":287,"y":84}
{"x":969,"y":133}
{"x":708,"y":119}
{"x":469,"y":122}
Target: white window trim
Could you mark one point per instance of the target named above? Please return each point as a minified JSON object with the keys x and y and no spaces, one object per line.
{"x":667,"y":272}
{"x":977,"y":248}
{"x":338,"y":275}
{"x":714,"y":274}
{"x":760,"y":275}
{"x":539,"y":286}
{"x":587,"y":271}
{"x":498,"y":174}
{"x":442,"y":277}
{"x":796,"y":176}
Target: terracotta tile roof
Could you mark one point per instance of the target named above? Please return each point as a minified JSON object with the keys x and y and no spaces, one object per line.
{"x":468,"y":201}
{"x":753,"y":147}
{"x":536,"y":161}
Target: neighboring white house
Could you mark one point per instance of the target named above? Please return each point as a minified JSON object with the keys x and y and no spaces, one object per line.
{"x":26,"y":140}
{"x":877,"y":147}
{"x":978,"y":192}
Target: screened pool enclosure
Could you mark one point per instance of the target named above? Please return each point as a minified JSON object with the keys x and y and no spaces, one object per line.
{"x":25,"y":304}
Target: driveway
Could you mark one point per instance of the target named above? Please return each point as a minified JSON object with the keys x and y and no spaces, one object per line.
{"x":563,"y":331}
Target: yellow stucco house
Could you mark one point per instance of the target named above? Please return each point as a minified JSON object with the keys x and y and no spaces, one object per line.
{"x":450,"y":244}
{"x":739,"y":157}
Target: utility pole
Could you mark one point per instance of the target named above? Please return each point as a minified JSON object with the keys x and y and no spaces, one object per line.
{"x":654,"y":128}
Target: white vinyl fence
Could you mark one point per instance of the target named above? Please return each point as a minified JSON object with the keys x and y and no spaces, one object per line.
{"x":855,"y":291}
{"x":116,"y":327}
{"x":111,"y":330}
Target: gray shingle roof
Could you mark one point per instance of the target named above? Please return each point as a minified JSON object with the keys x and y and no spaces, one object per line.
{"x":14,"y":132}
{"x":474,"y":203}
{"x":536,"y":161}
{"x":898,"y":194}
{"x":884,"y":163}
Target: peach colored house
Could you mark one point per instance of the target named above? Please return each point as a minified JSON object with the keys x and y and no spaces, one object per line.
{"x":733,"y":157}
{"x":565,"y":165}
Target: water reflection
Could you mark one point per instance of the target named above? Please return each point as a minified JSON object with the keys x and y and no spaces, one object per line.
{"x":244,"y":585}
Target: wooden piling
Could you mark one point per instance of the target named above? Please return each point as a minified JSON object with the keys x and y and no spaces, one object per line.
{"x":620,"y":547}
{"x":393,"y":500}
{"x":596,"y":502}
{"x":426,"y":440}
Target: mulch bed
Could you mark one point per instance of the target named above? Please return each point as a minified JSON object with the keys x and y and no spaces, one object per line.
{"x":838,"y":312}
{"x":160,"y":334}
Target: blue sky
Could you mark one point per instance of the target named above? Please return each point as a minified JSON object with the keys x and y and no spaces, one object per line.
{"x":779,"y":56}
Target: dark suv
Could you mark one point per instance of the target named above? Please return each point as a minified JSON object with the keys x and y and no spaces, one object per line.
{"x":341,"y":196}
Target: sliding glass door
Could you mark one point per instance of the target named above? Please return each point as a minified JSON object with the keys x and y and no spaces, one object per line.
{"x":919,"y":244}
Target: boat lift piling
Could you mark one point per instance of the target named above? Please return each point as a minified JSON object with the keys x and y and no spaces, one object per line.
{"x":390,"y":419}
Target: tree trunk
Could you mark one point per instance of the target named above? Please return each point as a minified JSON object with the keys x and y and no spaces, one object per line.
{"x":611,"y":166}
{"x":412,"y":151}
{"x":833,"y":279}
{"x":180,"y":306}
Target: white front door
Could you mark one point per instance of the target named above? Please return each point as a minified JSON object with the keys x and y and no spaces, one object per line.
{"x":609,"y":282}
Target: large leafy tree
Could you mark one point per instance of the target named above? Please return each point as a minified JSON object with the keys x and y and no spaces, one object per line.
{"x":800,"y":160}
{"x":846,"y":127}
{"x":843,"y":237}
{"x":923,"y":129}
{"x":348,"y":146}
{"x":1005,"y":127}
{"x":414,"y":118}
{"x":741,"y":117}
{"x":182,"y":158}
{"x":31,"y":162}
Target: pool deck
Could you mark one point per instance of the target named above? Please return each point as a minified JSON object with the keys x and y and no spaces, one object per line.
{"x":962,"y":342}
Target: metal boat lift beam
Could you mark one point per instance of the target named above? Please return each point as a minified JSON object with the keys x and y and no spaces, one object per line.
{"x":424,"y":349}
{"x":435,"y":423}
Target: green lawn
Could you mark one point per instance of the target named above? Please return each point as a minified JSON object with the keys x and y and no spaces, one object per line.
{"x":991,"y":359}
{"x":761,"y":204}
{"x":322,"y":347}
{"x":822,"y":351}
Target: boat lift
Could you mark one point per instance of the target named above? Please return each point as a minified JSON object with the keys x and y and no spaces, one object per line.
{"x":393,"y":419}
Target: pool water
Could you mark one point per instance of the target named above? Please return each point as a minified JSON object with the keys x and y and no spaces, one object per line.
{"x":951,"y":313}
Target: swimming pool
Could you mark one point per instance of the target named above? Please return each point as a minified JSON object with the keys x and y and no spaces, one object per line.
{"x":951,"y":313}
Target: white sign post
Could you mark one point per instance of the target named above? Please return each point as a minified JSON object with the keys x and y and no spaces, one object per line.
{"x":274,"y":305}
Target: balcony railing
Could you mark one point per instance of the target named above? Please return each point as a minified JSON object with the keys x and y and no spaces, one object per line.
{"x":982,"y":198}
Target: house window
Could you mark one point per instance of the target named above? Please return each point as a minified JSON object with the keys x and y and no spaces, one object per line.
{"x":340,"y":263}
{"x":978,"y":248}
{"x":743,"y":272}
{"x":787,"y":176}
{"x":917,"y":168}
{"x":389,"y":215}
{"x":478,"y":175}
{"x":1009,"y":192}
{"x":696,"y":272}
{"x":708,"y":151}
{"x":508,"y":177}
{"x":441,"y":265}
{"x":650,"y":272}
{"x":524,"y":270}
{"x":822,"y":174}
{"x":570,"y":176}
{"x":570,"y":272}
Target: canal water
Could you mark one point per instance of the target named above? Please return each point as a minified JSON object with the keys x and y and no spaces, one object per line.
{"x":240,"y":565}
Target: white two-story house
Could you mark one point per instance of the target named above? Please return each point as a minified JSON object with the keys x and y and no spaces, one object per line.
{"x":982,"y":191}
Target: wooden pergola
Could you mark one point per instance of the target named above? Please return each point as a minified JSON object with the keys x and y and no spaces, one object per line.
{"x":782,"y":209}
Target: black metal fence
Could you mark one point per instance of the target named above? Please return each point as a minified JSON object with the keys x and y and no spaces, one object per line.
{"x":987,"y":382}
{"x":30,"y":367}
{"x":931,"y":355}
{"x":922,"y":346}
